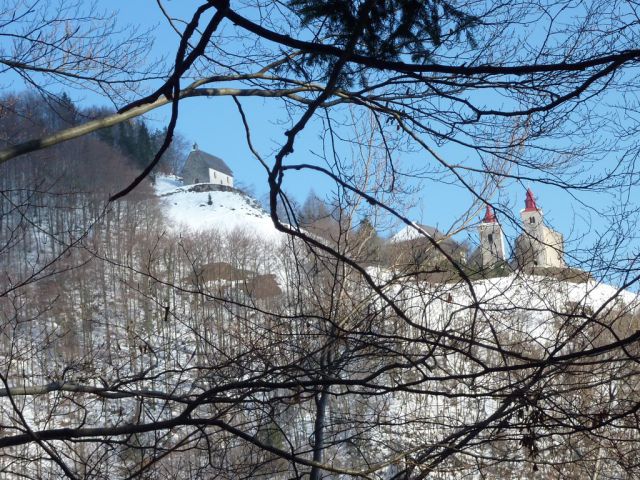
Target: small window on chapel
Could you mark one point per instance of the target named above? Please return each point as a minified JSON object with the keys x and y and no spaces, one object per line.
{"x":532,"y":220}
{"x":490,"y":238}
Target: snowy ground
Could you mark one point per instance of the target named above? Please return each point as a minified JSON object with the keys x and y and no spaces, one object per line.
{"x":228,"y":211}
{"x":520,"y":303}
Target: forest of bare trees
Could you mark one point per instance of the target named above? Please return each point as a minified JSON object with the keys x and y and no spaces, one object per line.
{"x":132,"y":350}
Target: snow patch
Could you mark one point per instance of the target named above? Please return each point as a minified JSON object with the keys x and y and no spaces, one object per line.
{"x":409,"y":232}
{"x":225,"y":211}
{"x":166,"y":183}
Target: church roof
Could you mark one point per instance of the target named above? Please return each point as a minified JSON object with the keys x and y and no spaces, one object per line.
{"x":530,"y":202}
{"x":489,"y":215}
{"x":199,"y":157}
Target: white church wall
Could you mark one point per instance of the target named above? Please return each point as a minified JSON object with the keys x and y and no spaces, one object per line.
{"x":540,"y":247}
{"x":553,"y":247}
{"x":219,"y":178}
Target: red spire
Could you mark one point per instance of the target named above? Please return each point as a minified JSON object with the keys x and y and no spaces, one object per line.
{"x":530,"y":202}
{"x":489,"y":216}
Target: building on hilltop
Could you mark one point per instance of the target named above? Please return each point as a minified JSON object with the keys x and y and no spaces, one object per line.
{"x":202,"y":167}
{"x":538,"y":245}
{"x":439,"y":257}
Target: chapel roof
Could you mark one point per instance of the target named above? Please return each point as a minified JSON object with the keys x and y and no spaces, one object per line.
{"x":200,"y":157}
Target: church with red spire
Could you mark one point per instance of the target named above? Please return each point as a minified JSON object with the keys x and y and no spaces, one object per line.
{"x":538,"y":246}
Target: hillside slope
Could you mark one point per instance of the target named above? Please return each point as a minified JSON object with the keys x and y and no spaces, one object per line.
{"x":196,"y":208}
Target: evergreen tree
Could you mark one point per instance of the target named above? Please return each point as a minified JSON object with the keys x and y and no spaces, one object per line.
{"x":392,"y":29}
{"x":143,"y":150}
{"x":66,"y":110}
{"x":312,"y":210}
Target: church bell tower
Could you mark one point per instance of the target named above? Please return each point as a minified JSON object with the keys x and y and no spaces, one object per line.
{"x":491,"y":240}
{"x":533,"y":224}
{"x":539,"y":245}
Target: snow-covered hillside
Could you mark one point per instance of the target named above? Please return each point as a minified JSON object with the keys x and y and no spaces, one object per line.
{"x":180,"y":320}
{"x":227,"y":211}
{"x":518,"y":302}
{"x":415,"y":231}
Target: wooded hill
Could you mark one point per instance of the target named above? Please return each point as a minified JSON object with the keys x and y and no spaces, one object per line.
{"x":135,"y":348}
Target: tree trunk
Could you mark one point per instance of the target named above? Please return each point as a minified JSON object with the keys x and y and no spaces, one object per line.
{"x":318,"y":432}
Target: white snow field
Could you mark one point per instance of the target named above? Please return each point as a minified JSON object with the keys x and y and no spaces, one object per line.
{"x":225,"y":211}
